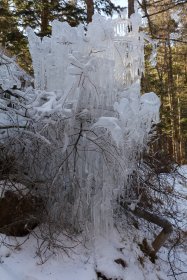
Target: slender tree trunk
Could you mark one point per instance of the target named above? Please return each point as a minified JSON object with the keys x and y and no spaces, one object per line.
{"x":130,"y":8}
{"x":174,"y":105}
{"x":144,"y":7}
{"x":180,"y":134}
{"x":90,"y":10}
{"x":44,"y":18}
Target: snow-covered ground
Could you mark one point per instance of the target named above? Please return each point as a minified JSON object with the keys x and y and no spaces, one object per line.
{"x":118,"y":257}
{"x":178,"y":256}
{"x":21,"y":263}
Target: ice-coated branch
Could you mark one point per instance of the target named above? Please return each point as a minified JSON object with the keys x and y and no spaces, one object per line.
{"x":90,"y":123}
{"x":92,"y":81}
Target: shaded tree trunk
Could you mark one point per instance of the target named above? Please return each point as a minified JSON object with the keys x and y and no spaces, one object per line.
{"x":44,"y":18}
{"x":90,"y":10}
{"x":130,"y":8}
{"x":167,"y":228}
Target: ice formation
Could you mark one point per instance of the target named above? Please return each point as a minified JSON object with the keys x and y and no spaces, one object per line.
{"x":89,"y":86}
{"x":93,"y":81}
{"x":13,"y":96}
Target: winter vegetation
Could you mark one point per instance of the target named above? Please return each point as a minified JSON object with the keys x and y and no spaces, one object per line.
{"x":81,"y":172}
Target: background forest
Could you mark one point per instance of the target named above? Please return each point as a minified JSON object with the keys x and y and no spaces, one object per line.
{"x":165,"y":22}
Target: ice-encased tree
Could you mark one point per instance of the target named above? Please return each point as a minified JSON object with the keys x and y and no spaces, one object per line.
{"x":92,"y":82}
{"x":90,"y":114}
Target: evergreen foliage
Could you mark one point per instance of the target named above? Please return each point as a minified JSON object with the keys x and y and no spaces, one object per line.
{"x":167,"y":25}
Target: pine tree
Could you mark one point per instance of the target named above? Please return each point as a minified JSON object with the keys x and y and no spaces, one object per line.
{"x":164,"y":78}
{"x":12,"y":39}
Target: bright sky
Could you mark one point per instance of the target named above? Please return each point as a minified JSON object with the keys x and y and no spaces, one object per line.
{"x":120,"y":2}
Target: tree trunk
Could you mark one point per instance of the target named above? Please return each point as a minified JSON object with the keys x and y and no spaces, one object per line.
{"x":130,"y":8}
{"x":90,"y":10}
{"x":174,"y":105}
{"x":153,"y":218}
{"x":44,"y":18}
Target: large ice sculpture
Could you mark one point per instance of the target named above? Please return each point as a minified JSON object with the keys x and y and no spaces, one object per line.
{"x":92,"y":83}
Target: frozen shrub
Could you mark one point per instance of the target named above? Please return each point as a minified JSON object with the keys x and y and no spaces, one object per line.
{"x":89,"y":118}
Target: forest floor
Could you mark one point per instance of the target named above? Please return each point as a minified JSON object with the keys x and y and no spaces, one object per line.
{"x":119,"y":257}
